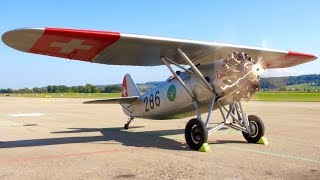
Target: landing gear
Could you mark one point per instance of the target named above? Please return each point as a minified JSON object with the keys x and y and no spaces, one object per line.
{"x":196,"y":133}
{"x":251,"y":126}
{"x":126,"y":126}
{"x":257,"y":129}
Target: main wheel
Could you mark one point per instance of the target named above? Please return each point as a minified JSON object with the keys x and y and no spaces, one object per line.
{"x":257,"y":129}
{"x":195,"y":133}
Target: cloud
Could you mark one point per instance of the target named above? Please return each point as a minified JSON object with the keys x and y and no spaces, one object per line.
{"x":282,"y":72}
{"x":264,"y":43}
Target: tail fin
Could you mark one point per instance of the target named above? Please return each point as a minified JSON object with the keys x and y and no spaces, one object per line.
{"x":129,"y":88}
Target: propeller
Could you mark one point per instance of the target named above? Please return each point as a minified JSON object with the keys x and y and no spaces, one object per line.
{"x":241,"y":73}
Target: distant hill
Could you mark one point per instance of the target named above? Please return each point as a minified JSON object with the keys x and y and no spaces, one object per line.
{"x":143,"y":87}
{"x":303,"y":82}
{"x":310,"y":83}
{"x":290,"y":83}
{"x":303,"y":87}
{"x":293,"y":83}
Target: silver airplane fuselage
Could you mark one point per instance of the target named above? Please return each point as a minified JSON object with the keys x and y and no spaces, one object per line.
{"x":171,"y":100}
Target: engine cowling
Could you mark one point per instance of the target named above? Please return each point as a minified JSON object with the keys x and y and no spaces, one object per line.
{"x":238,"y":74}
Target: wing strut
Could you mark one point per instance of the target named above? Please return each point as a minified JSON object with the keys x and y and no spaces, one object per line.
{"x":194,"y":68}
{"x":198,"y":73}
{"x":164,"y":60}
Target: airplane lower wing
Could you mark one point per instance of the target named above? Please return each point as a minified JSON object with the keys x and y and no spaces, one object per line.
{"x":122,"y":100}
{"x":129,"y":49}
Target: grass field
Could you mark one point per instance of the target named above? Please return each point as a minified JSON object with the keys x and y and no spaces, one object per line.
{"x":260,"y":96}
{"x":287,"y":96}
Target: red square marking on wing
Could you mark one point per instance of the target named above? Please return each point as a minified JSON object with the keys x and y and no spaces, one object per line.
{"x":73,"y":44}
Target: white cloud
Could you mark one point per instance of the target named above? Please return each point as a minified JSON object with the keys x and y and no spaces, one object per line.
{"x":282,"y":72}
{"x":264,"y":43}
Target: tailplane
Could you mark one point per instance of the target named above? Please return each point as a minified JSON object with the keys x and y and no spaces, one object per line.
{"x":129,"y":88}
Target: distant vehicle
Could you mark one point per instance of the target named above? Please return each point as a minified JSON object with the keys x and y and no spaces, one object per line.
{"x":218,"y":75}
{"x":7,"y":95}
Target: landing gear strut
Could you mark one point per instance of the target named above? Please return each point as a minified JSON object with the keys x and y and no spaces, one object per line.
{"x":252,"y":127}
{"x":126,"y":125}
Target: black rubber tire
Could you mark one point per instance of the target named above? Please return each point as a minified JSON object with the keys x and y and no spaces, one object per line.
{"x":126,"y":126}
{"x":257,"y":128}
{"x":195,"y":134}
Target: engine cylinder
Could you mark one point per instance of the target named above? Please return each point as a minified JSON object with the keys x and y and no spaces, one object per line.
{"x":238,"y":74}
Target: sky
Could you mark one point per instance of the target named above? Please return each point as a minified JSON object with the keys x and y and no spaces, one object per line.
{"x":285,"y":25}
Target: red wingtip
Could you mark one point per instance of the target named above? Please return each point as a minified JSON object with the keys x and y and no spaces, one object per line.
{"x":305,"y":55}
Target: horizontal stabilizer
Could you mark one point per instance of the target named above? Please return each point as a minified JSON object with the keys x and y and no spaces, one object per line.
{"x":121,"y":100}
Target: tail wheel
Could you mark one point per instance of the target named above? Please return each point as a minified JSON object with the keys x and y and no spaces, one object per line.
{"x":257,"y":129}
{"x":195,"y":133}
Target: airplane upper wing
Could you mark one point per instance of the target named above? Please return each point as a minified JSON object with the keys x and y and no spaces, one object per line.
{"x":128,"y":49}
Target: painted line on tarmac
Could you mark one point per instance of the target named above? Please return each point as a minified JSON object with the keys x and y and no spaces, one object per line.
{"x":21,"y":160}
{"x":8,"y":122}
{"x":263,"y":152}
{"x":42,"y":117}
{"x":5,"y":123}
{"x":26,"y":115}
{"x":38,"y":115}
{"x":272,"y":154}
{"x":63,"y":156}
{"x":299,"y":141}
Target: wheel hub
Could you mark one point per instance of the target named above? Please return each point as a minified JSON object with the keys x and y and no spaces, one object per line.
{"x":254,"y":128}
{"x":195,"y":134}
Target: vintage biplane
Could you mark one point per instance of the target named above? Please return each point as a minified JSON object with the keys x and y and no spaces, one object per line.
{"x":213,"y":75}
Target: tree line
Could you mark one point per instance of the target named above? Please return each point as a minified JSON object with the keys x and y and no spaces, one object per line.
{"x":88,"y":88}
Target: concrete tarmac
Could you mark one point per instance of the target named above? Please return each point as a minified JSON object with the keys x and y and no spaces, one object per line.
{"x":65,"y":139}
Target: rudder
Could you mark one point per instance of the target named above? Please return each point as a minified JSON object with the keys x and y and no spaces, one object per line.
{"x":129,"y":88}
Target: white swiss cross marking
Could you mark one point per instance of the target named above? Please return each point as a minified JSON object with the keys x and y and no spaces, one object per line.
{"x":71,"y":45}
{"x":124,"y":91}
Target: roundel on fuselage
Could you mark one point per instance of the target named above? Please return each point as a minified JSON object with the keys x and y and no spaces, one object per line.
{"x":172,"y":92}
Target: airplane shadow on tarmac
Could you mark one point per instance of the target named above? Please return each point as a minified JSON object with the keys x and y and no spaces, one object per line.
{"x":147,"y":139}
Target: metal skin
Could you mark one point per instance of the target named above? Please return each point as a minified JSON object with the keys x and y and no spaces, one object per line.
{"x":182,"y":105}
{"x":107,"y":48}
{"x":219,"y":80}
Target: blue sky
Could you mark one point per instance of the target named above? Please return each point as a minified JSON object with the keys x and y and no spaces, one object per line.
{"x":286,"y":25}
